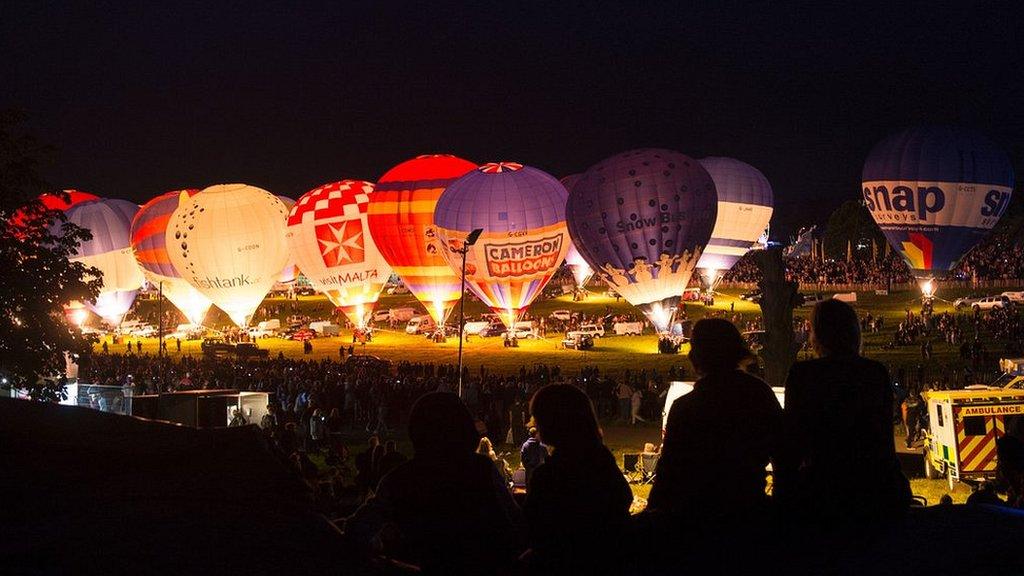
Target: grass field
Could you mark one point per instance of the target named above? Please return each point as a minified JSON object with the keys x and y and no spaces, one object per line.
{"x":610,"y":354}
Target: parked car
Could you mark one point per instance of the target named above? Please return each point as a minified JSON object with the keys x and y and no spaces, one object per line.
{"x":367,"y":361}
{"x":302,"y":335}
{"x":754,"y":296}
{"x":967,"y":301}
{"x":592,"y":330}
{"x":522,"y":329}
{"x":419,"y":325}
{"x":579,"y":342}
{"x":991,"y":302}
{"x":475,"y":328}
{"x":213,"y":347}
{"x":563,"y":315}
{"x":1015,"y":297}
{"x":250,"y":350}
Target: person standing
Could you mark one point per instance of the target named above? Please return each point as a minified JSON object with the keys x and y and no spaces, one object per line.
{"x":532,"y":454}
{"x":625,"y":394}
{"x":636,"y":401}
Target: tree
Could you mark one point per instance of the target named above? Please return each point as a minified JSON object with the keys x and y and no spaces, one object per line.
{"x":851,"y":222}
{"x":39,"y":279}
{"x":778,"y":298}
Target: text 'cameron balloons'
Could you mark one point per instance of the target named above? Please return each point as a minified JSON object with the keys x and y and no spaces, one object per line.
{"x":641,"y":220}
{"x":291,"y":271}
{"x":149,"y":242}
{"x":228,"y":242}
{"x":110,"y":252}
{"x":521,"y":211}
{"x":581,"y":271}
{"x":401,"y":219}
{"x":935,"y":192}
{"x":328,"y":238}
{"x":744,"y":211}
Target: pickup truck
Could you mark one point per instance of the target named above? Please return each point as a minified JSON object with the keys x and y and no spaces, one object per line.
{"x":592,"y":330}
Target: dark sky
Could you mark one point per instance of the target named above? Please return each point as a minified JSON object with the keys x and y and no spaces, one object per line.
{"x":141,"y":100}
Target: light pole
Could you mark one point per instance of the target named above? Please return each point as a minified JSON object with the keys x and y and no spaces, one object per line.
{"x":470,"y":240}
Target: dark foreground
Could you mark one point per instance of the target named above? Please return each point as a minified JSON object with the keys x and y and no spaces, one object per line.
{"x":88,"y":492}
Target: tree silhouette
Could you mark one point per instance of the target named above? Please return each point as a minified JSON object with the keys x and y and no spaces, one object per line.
{"x":39,"y":279}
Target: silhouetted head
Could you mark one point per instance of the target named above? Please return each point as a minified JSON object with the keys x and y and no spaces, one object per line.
{"x":835,"y":330}
{"x":565,"y":418}
{"x":717,"y":346}
{"x":440,"y":425}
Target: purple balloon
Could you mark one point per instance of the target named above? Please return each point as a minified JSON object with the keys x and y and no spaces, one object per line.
{"x":109,"y":220}
{"x":641,"y":219}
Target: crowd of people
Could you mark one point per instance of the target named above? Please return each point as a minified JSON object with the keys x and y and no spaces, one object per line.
{"x":997,"y":258}
{"x":447,"y":510}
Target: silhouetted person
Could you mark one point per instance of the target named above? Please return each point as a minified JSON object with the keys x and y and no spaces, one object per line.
{"x":719,"y":437}
{"x":364,"y":465}
{"x":838,"y":461}
{"x":391,"y":459}
{"x":578,"y":501}
{"x":446,"y":508}
{"x":532,"y":454}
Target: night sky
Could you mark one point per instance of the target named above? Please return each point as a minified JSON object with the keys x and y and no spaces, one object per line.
{"x":138,"y":101}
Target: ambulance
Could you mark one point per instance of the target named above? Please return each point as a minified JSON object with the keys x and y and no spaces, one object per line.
{"x":963,"y":426}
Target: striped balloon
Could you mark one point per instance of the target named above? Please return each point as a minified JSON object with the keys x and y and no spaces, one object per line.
{"x":149,"y":243}
{"x":401,"y":221}
{"x":521,"y":211}
{"x":744,"y":211}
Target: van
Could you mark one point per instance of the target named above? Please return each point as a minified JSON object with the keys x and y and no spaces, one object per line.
{"x":419,"y":325}
{"x":1015,"y":297}
{"x":475,"y":328}
{"x":401,"y":314}
{"x":325,"y":328}
{"x":524,"y":329}
{"x":848,"y":297}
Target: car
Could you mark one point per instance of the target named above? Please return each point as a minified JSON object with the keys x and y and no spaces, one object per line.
{"x":397,"y":289}
{"x":250,"y":350}
{"x":991,"y":303}
{"x":967,"y":301}
{"x":367,"y":361}
{"x":592,"y":330}
{"x":1015,"y":297}
{"x":563,"y":315}
{"x":812,"y":299}
{"x":492,"y":329}
{"x":754,"y":296}
{"x":303,"y":334}
{"x":305,"y":291}
{"x":579,"y":342}
{"x":521,"y":330}
{"x":214,"y":347}
{"x":419,"y":325}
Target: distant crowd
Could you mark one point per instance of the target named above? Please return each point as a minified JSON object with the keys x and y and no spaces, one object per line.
{"x":998,"y":258}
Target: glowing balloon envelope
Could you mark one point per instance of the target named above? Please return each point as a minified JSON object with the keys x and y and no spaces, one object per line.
{"x":641,"y":219}
{"x":521,"y":211}
{"x":329,"y":240}
{"x":291,"y":271}
{"x":401,"y":220}
{"x":110,"y":252}
{"x":228,"y":242}
{"x":149,"y":243}
{"x":935,"y":192}
{"x":744,"y":211}
{"x":581,"y":271}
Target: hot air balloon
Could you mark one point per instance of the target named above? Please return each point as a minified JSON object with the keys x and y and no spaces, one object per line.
{"x":521,"y":211}
{"x":228,"y":242}
{"x":149,"y":242}
{"x":291,"y":271}
{"x":641,"y":220}
{"x":581,"y":271}
{"x":110,"y":252}
{"x":935,"y":192}
{"x":327,"y":237}
{"x":55,"y":202}
{"x":744,"y":211}
{"x":401,"y":220}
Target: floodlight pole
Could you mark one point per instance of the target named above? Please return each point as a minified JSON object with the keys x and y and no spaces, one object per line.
{"x":470,"y":240}
{"x":160,"y":333}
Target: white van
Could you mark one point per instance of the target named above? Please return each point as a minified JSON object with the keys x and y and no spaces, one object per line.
{"x":325,"y":328}
{"x":475,"y":328}
{"x":1015,"y":297}
{"x":419,"y":325}
{"x":524,"y":329}
{"x":265,"y":329}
